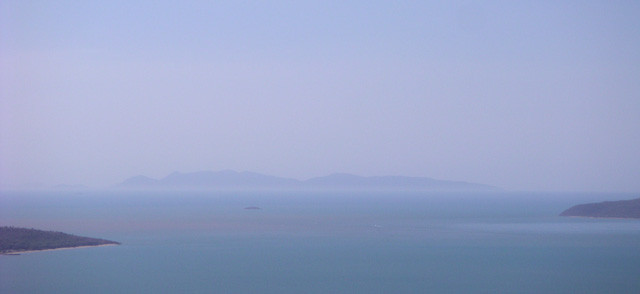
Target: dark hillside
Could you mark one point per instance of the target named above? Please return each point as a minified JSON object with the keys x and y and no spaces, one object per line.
{"x":14,"y":239}
{"x":615,"y":209}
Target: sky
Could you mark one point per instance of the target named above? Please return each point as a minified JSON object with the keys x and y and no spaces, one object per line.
{"x":524,"y":95}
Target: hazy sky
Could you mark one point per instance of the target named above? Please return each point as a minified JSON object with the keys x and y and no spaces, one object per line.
{"x":539,"y":95}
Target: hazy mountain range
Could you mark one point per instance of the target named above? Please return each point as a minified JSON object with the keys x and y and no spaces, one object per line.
{"x":228,"y":179}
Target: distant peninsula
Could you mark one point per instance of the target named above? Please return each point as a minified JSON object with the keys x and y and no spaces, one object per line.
{"x":607,"y":209}
{"x":15,"y":240}
{"x":228,"y":179}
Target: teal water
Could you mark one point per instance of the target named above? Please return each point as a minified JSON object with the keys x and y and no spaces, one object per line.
{"x":330,"y":242}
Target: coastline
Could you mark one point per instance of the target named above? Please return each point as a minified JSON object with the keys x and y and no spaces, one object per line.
{"x":601,"y":217}
{"x":54,"y":249}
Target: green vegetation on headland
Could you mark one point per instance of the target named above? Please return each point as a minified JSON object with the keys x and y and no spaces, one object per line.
{"x":611,"y":209}
{"x":16,"y":240}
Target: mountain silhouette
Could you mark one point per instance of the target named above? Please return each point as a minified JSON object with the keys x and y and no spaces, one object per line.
{"x":229,"y":179}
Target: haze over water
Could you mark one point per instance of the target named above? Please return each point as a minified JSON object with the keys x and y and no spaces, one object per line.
{"x":322,"y":242}
{"x":520,"y":95}
{"x":524,"y":95}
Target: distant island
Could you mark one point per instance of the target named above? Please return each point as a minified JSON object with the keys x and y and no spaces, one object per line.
{"x":610,"y":209}
{"x":228,"y":179}
{"x":15,"y":240}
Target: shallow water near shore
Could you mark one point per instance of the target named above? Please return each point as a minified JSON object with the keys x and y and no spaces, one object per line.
{"x":322,"y":242}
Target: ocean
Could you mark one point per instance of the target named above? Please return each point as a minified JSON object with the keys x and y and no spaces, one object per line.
{"x":322,"y":242}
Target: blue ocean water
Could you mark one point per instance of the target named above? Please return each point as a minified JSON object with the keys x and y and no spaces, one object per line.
{"x":322,"y":242}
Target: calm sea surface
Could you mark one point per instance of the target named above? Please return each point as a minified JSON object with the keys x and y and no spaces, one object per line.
{"x":322,"y":242}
